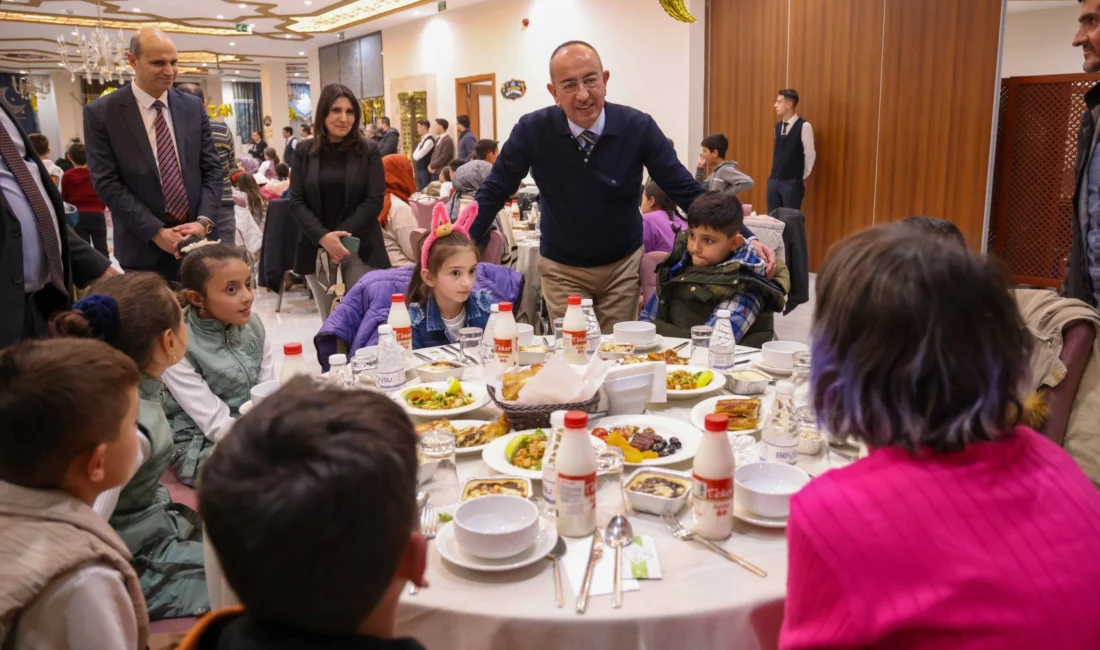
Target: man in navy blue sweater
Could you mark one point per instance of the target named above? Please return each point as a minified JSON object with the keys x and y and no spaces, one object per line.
{"x":586,"y":156}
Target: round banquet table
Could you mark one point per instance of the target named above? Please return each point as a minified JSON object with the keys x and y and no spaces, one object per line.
{"x":703,"y":601}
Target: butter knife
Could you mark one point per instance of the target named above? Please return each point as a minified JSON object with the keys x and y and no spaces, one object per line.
{"x":594,"y":557}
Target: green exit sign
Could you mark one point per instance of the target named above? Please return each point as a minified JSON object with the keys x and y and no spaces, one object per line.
{"x":442,"y":5}
{"x":244,"y":28}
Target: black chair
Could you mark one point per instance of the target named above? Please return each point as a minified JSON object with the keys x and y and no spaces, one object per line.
{"x":279,"y":244}
{"x":794,"y":240}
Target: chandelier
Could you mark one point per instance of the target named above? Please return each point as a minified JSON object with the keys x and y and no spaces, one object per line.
{"x":99,"y":55}
{"x":27,"y":87}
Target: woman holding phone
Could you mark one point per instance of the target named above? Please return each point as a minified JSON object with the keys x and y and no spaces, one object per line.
{"x":336,"y":193}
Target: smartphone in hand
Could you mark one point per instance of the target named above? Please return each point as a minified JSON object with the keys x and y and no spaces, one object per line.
{"x":351,"y":243}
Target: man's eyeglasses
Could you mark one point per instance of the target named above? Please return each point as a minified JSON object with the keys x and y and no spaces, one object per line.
{"x":572,"y":87}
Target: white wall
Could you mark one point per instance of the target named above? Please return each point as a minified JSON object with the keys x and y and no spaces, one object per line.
{"x":647,"y":52}
{"x":1040,"y":42}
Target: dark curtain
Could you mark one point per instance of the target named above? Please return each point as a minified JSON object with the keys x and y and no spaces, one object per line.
{"x":19,"y":107}
{"x":248,"y":109}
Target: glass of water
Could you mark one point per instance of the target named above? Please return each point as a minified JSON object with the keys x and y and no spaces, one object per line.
{"x":436,"y":473}
{"x":559,"y":327}
{"x":470,"y":340}
{"x":610,"y":497}
{"x":700,"y":344}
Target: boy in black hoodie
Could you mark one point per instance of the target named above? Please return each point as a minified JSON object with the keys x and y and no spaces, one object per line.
{"x":310,"y":504}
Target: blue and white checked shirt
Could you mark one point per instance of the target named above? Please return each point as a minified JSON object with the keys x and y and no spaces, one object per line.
{"x":744,"y":307}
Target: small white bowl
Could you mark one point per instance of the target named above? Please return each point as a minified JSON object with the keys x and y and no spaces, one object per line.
{"x":525,"y":333}
{"x":440,"y":371}
{"x":264,"y":390}
{"x":636,"y":332}
{"x":496,"y":527}
{"x":533,"y":354}
{"x":780,"y":354}
{"x":766,"y":489}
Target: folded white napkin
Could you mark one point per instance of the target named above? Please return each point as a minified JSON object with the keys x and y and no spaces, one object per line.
{"x":658,"y":392}
{"x":575,"y":561}
{"x":558,"y":382}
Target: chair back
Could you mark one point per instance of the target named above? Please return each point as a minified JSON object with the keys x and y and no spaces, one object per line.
{"x":280,"y":239}
{"x":416,"y":239}
{"x":648,"y":273}
{"x":423,"y":212}
{"x":494,"y":250}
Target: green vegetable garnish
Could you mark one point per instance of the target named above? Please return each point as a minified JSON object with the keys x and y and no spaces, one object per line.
{"x":444,"y":517}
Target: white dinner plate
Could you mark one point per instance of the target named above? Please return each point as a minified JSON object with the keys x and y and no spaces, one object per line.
{"x":475,"y":388}
{"x":781,"y":372}
{"x":739,"y":512}
{"x":706,"y":407}
{"x":545,"y":542}
{"x":657,"y":342}
{"x":463,"y":424}
{"x":689,"y":436}
{"x":716,"y":383}
{"x":493,"y":455}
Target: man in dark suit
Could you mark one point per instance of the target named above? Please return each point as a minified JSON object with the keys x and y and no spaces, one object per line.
{"x":162,"y":184}
{"x":586,"y":155}
{"x":40,"y":257}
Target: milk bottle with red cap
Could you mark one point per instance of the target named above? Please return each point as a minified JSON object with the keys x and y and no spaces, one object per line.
{"x":505,"y":336}
{"x":712,"y":484}
{"x":575,"y":333}
{"x":575,"y":490}
{"x":294,"y":363}
{"x":400,"y":322}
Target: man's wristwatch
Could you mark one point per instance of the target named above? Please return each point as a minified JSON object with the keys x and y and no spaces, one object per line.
{"x":205,"y":223}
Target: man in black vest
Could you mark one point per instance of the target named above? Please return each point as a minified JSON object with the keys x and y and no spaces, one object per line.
{"x":793,"y":157}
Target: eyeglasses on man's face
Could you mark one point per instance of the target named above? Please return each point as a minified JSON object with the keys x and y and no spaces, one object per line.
{"x":572,"y":86}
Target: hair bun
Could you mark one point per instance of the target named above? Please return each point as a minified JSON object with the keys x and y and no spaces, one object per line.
{"x":71,"y":324}
{"x":102,"y":315}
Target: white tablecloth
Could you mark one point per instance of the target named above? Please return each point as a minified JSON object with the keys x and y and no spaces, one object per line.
{"x":528,"y":264}
{"x":703,"y":601}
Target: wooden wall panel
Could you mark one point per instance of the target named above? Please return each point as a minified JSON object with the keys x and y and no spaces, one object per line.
{"x":746,"y":68}
{"x":835,"y":61}
{"x":939,"y":83}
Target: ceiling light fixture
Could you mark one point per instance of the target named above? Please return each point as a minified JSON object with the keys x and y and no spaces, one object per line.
{"x":101,"y":55}
{"x":220,"y":17}
{"x":349,"y":14}
{"x":301,"y":54}
{"x":27,"y":87}
{"x":236,"y":72}
{"x":232,"y":43}
{"x":136,"y":10}
{"x":110,"y":23}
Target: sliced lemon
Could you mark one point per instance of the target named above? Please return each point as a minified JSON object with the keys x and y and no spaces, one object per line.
{"x":453,"y":387}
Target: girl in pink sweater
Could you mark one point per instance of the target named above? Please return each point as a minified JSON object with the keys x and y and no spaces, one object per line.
{"x":961,"y":529}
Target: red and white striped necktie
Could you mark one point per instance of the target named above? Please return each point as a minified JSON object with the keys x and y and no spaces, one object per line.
{"x":171,"y":179}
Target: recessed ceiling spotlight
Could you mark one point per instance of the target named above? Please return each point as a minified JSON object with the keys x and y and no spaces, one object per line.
{"x":301,"y":54}
{"x":236,"y":72}
{"x":76,"y":33}
{"x":290,"y":36}
{"x":232,"y":43}
{"x":243,"y":6}
{"x":295,"y":74}
{"x":136,"y":10}
{"x":309,"y":2}
{"x":22,"y":72}
{"x":220,"y":17}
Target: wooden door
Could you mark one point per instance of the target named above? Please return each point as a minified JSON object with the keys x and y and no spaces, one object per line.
{"x":468,"y":91}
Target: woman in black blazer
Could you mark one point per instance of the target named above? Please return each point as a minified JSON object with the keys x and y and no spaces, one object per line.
{"x":336,"y":191}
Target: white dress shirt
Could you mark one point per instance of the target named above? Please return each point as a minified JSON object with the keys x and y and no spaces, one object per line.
{"x":807,"y":143}
{"x":425,"y":147}
{"x":596,"y":128}
{"x":194,"y":395}
{"x":88,"y":605}
{"x":149,"y":116}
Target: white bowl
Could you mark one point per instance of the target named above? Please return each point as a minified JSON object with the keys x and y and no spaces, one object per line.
{"x":264,"y":390}
{"x":636,"y":332}
{"x":525,"y":333}
{"x":780,"y":354}
{"x":439,"y":371}
{"x":766,"y":489}
{"x":628,"y":395}
{"x":496,"y":527}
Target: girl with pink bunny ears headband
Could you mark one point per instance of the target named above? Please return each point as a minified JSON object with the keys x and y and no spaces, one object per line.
{"x":442,"y":227}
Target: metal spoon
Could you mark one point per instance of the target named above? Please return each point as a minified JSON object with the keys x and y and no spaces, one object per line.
{"x":555,"y":557}
{"x":619,"y":534}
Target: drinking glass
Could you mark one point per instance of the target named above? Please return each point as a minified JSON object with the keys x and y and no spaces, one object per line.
{"x":470,"y":340}
{"x":559,"y":327}
{"x":436,"y":473}
{"x":610,"y":497}
{"x":700,"y":344}
{"x":363,"y":367}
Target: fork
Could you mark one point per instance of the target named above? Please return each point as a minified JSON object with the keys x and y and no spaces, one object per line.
{"x":684,"y":535}
{"x":429,"y":523}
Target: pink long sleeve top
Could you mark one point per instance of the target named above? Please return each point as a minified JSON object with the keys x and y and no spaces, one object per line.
{"x":997,"y":546}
